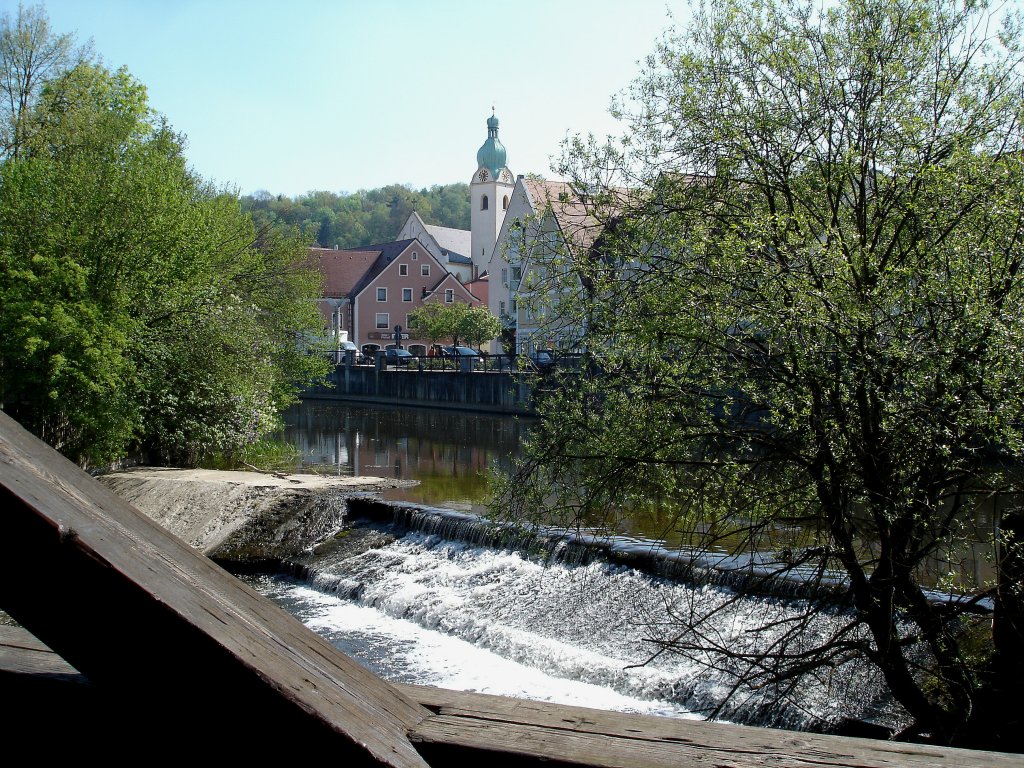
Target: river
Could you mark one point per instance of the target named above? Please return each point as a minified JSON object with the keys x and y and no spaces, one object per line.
{"x":434,"y":608}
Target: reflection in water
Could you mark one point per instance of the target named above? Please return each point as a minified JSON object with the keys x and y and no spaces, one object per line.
{"x":447,"y":452}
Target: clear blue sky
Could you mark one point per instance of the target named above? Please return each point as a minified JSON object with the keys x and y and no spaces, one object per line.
{"x":299,"y":95}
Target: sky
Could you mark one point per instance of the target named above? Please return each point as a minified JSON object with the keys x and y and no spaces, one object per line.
{"x":308,"y":95}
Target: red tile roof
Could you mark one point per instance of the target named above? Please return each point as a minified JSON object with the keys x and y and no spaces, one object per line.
{"x":575,"y":216}
{"x":342,"y":270}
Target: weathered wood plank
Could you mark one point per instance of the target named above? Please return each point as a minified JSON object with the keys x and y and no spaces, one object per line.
{"x":21,"y":653}
{"x":115,"y":595}
{"x":516,"y":732}
{"x":581,"y":736}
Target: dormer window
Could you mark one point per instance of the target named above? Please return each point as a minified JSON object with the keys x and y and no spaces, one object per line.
{"x":483,"y":203}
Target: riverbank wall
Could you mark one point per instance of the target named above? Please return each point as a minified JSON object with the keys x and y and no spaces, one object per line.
{"x":500,"y":392}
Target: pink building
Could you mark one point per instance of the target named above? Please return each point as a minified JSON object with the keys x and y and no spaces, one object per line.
{"x":369,"y":291}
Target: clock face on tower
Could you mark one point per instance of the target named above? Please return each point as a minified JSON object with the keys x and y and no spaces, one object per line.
{"x":482,"y":175}
{"x":506,"y":176}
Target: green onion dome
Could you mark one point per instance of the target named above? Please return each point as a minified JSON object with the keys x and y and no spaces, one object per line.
{"x":492,"y":154}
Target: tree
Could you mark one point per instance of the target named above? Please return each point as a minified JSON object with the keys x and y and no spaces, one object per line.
{"x":806,"y":314}
{"x":30,"y":55}
{"x":432,"y":321}
{"x":362,"y":218}
{"x":140,"y":305}
{"x":475,"y":325}
{"x":437,"y":321}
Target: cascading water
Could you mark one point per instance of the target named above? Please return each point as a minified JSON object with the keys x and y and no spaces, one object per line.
{"x":428,"y":597}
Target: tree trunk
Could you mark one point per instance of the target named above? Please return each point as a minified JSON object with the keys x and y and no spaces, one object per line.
{"x":1004,"y":715}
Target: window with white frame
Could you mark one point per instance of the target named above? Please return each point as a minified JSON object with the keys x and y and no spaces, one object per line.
{"x":501,"y":308}
{"x":407,"y":294}
{"x":449,"y":295}
{"x":425,"y":270}
{"x":403,"y":269}
{"x":504,"y":275}
{"x":383,"y":321}
{"x":415,"y":256}
{"x":382,"y":294}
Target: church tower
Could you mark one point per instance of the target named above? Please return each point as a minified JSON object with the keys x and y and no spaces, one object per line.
{"x":489,"y":194}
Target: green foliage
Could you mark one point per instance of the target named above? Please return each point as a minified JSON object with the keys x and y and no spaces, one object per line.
{"x":457,"y":321}
{"x":363,"y":218}
{"x":140,"y":308}
{"x":805,"y":310}
{"x":30,"y":56}
{"x":267,"y":455}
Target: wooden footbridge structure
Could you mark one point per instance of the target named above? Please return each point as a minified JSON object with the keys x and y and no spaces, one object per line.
{"x":132,"y":645}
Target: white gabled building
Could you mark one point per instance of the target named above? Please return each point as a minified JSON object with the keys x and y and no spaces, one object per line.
{"x":448,"y":245}
{"x":544,"y":219}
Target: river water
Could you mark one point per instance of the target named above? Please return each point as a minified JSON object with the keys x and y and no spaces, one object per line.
{"x":424,"y":604}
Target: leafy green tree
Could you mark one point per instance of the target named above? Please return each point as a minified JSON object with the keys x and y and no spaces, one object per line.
{"x":804,"y":314}
{"x":30,"y":55}
{"x":438,"y":321}
{"x":140,"y":306}
{"x":475,"y":325}
{"x":432,"y":321}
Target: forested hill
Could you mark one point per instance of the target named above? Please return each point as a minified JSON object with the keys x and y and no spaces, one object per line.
{"x":349,"y":220}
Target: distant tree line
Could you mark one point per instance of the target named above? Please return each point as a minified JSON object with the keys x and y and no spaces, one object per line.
{"x":348,"y":220}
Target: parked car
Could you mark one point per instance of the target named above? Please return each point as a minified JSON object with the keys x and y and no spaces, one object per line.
{"x":393,"y":356}
{"x":369,"y":353}
{"x":345,"y":348}
{"x":465,"y":357}
{"x":542,"y":360}
{"x":461,"y":351}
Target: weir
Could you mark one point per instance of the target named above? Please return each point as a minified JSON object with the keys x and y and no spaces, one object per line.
{"x":572,"y":606}
{"x":569,"y":606}
{"x":131,"y":640}
{"x":761,"y":574}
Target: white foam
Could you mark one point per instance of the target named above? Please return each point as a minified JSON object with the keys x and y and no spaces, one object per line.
{"x":428,"y":657}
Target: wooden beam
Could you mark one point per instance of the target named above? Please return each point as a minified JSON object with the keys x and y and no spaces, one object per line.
{"x":518,"y":732}
{"x":151,"y":622}
{"x":471,"y":727}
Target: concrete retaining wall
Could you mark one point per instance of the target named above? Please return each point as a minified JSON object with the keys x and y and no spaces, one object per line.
{"x":491,"y":391}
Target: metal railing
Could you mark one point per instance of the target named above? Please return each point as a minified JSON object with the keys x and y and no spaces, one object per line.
{"x":480,"y":363}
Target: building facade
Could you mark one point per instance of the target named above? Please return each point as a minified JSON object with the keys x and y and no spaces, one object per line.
{"x":370,"y":291}
{"x":514,"y":221}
